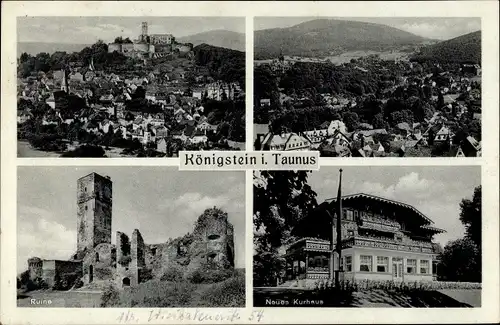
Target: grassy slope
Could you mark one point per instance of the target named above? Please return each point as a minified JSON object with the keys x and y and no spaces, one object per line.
{"x":465,"y":48}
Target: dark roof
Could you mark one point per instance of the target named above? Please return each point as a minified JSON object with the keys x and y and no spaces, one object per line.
{"x":377,"y":198}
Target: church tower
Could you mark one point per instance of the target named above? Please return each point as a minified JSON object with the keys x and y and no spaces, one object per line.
{"x":94,"y":212}
{"x":64,"y":83}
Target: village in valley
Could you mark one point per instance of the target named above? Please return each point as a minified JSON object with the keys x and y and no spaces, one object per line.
{"x":149,"y":97}
{"x":412,"y":101}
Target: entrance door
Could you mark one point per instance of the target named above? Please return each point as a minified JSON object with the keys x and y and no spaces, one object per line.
{"x":397,"y":270}
{"x":91,"y":273}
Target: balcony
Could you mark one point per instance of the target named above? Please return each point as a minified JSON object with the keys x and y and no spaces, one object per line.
{"x":317,"y":245}
{"x":413,"y":246}
{"x":381,"y":222}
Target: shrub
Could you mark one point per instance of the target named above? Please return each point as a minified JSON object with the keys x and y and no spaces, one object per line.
{"x":229,"y":293}
{"x":110,"y":296}
{"x":361,"y":285}
{"x":156,"y":293}
{"x":208,"y":275}
{"x":36,"y":284}
{"x":172,"y":274}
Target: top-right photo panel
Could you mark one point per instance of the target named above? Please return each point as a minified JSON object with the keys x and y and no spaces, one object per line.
{"x":368,"y":87}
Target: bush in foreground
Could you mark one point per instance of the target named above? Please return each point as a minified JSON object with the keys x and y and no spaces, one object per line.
{"x":229,"y":293}
{"x":209,"y":275}
{"x":157,"y":293}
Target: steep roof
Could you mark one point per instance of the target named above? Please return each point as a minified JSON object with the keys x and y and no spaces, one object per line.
{"x":380,"y":199}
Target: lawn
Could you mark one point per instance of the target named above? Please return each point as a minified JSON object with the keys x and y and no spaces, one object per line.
{"x":293,"y":297}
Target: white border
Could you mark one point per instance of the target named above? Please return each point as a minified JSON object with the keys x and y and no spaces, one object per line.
{"x":487,"y":10}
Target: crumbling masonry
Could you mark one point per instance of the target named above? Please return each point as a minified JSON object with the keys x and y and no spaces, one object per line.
{"x":131,"y":261}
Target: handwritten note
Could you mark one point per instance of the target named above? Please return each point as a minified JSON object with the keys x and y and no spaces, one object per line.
{"x":159,"y":315}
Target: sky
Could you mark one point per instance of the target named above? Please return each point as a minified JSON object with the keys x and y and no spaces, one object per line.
{"x":430,"y":27}
{"x":87,"y":30}
{"x":161,"y":202}
{"x":434,"y":191}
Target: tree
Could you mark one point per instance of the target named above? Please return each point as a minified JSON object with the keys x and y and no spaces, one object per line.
{"x":351,"y":120}
{"x":440,"y":101}
{"x":379,"y":122}
{"x":470,"y":216}
{"x":460,"y":261}
{"x":281,"y":198}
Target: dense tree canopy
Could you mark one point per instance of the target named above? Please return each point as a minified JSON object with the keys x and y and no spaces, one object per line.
{"x":281,"y":199}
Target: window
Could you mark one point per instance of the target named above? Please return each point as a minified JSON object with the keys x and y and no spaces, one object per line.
{"x":349,"y":215}
{"x":382,"y":264}
{"x":355,"y":214}
{"x":86,"y":208}
{"x":411,"y":266}
{"x":344,"y":214}
{"x":424,"y":267}
{"x":365,"y":264}
{"x":85,"y":189}
{"x":348,"y":263}
{"x":350,"y":233}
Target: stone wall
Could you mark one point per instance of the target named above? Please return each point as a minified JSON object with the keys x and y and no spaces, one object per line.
{"x":35,"y":267}
{"x":126,"y":269}
{"x":102,"y":261}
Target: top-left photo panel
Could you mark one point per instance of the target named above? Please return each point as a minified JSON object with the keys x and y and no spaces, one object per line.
{"x":119,"y":87}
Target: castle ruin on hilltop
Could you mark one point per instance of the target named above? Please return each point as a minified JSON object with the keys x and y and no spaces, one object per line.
{"x":150,"y":45}
{"x":130,"y":260}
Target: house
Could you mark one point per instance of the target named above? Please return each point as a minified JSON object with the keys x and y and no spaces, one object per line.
{"x":198,"y":137}
{"x":105,"y":125}
{"x":91,"y":127}
{"x":265,"y":102}
{"x":382,"y":239}
{"x":206,"y":127}
{"x":471,"y":147}
{"x":285,"y":142}
{"x":443,"y":135}
{"x":23,"y":117}
{"x":259,"y":131}
{"x":160,"y":131}
{"x":161,"y":145}
{"x":138,"y":122}
{"x":50,"y":120}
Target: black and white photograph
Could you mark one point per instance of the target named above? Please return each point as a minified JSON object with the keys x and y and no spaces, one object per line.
{"x":129,"y":86}
{"x":130,"y":237}
{"x":368,"y":87}
{"x":410,"y":237}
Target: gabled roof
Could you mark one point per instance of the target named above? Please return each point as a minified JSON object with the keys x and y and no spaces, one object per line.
{"x":377,"y":198}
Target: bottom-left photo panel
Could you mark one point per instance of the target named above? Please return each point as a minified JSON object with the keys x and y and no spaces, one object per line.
{"x":130,"y":237}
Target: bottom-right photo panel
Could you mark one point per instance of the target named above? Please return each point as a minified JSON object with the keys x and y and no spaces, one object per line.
{"x":391,"y":236}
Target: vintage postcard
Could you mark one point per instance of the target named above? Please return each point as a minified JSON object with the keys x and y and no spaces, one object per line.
{"x":204,"y":162}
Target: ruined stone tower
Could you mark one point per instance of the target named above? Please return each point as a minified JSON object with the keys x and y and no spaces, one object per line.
{"x":94,"y":198}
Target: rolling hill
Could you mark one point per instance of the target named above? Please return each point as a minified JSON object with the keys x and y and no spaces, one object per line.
{"x":220,"y":38}
{"x":34,"y":48}
{"x":462,"y":49}
{"x":323,"y":37}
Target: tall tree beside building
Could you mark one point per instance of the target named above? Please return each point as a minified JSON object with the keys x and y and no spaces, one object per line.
{"x":461,"y":259}
{"x":470,"y":216}
{"x":280,"y":199}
